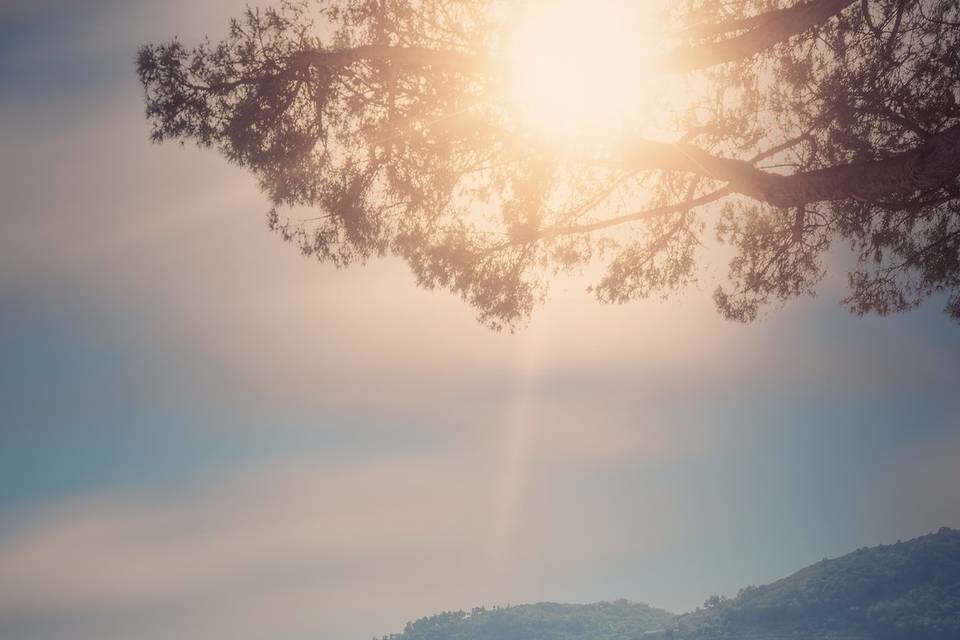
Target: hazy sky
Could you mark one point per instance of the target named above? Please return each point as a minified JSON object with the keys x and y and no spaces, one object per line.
{"x":205,"y":435}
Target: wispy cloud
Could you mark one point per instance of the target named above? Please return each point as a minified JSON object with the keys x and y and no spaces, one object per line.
{"x":323,"y":546}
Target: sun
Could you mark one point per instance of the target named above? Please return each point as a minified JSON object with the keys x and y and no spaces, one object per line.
{"x":582,"y":69}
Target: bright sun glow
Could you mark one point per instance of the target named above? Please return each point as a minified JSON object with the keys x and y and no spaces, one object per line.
{"x":580,"y":69}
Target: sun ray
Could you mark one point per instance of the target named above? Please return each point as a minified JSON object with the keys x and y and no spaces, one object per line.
{"x":511,"y":482}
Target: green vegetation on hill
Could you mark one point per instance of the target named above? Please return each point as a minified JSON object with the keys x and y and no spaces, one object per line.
{"x":904,"y":591}
{"x":620,"y":620}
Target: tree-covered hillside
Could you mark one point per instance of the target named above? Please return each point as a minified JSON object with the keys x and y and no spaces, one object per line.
{"x":620,"y":620}
{"x":904,"y":591}
{"x":908,"y":590}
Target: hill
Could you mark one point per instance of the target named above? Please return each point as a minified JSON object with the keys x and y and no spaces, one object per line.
{"x":620,"y":620}
{"x":908,"y":590}
{"x":903,"y":591}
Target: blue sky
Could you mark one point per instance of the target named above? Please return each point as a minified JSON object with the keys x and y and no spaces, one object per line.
{"x":206,"y":436}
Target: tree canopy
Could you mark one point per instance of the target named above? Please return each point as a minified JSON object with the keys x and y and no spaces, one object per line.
{"x":620,"y":620}
{"x":792,"y":126}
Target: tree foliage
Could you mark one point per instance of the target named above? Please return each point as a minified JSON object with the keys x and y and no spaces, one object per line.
{"x":620,"y":620}
{"x":904,"y":591}
{"x":822,"y":122}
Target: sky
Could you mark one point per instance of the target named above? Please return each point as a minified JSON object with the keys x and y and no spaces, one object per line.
{"x":205,"y":435}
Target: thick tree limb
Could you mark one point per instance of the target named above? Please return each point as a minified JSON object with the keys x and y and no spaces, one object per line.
{"x":764,"y":32}
{"x":929,"y":166}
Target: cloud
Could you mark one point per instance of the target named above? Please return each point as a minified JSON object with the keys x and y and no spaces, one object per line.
{"x":321,"y":546}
